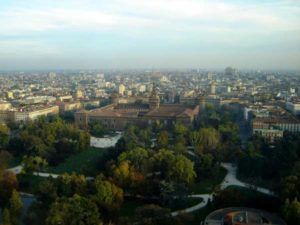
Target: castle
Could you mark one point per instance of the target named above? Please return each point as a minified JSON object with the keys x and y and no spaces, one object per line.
{"x":117,"y":115}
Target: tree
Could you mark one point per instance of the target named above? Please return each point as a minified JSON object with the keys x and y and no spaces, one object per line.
{"x":291,"y":211}
{"x":137,"y":157}
{"x":5,"y":157}
{"x":180,"y":129}
{"x":125,"y":175}
{"x":6,"y":217}
{"x":291,"y":187}
{"x":33,"y":163}
{"x":163,"y":139}
{"x":15,"y":208}
{"x":4,"y":136}
{"x":209,"y":138}
{"x":83,"y":141}
{"x":76,"y":210}
{"x":108,"y":196}
{"x":182,"y":170}
{"x":8,"y":182}
{"x":195,"y":139}
{"x":97,"y":129}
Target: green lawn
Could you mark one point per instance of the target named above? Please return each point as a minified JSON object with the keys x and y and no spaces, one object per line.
{"x":29,"y":183}
{"x":129,"y":206}
{"x":15,"y":161}
{"x":207,"y":185}
{"x":84,"y":162}
{"x":258,"y":181}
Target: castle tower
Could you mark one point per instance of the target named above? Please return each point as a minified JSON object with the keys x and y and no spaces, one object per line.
{"x":213,"y":88}
{"x":154,"y":100}
{"x":202,"y":102}
{"x":114,"y":98}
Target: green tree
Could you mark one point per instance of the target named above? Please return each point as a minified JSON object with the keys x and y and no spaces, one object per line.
{"x":15,"y":208}
{"x":76,"y":210}
{"x":6,"y":217}
{"x":182,"y":170}
{"x":5,"y":157}
{"x":163,"y":139}
{"x":33,"y":163}
{"x":108,"y":196}
{"x":291,"y":211}
{"x":180,"y":129}
{"x":4,"y":136}
{"x":97,"y":129}
{"x":209,"y":138}
{"x":137,"y":157}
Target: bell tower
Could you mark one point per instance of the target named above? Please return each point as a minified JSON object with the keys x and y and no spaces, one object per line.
{"x":154,"y":100}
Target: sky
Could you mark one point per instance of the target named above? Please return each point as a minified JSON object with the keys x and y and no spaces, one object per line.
{"x":103,"y":34}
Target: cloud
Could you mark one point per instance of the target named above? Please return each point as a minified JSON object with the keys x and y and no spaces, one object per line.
{"x":154,"y":14}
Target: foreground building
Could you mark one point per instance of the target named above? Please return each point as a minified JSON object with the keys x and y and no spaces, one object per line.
{"x":117,"y":115}
{"x":242,"y":216}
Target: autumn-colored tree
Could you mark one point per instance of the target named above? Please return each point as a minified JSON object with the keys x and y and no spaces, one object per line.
{"x":8,"y":182}
{"x":108,"y":195}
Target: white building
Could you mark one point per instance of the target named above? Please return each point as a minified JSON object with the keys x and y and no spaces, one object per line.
{"x":293,"y":107}
{"x":121,"y":89}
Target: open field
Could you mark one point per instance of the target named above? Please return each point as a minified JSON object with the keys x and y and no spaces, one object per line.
{"x":207,"y":185}
{"x":84,"y":163}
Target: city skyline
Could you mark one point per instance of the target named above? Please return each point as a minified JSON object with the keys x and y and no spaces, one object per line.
{"x":85,"y":34}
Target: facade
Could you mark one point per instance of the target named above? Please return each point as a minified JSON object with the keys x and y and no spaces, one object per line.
{"x":25,"y":115}
{"x":69,"y":106}
{"x":293,"y":107}
{"x":272,"y":128}
{"x":117,"y":115}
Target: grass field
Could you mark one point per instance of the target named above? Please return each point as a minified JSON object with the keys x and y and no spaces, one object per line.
{"x":15,"y":161}
{"x":84,"y":162}
{"x":207,"y":185}
{"x":29,"y":183}
{"x":260,"y":182}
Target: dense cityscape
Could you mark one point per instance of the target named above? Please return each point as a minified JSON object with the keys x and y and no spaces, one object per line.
{"x":149,"y":146}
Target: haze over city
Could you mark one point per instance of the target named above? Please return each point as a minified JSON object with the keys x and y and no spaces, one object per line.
{"x":85,"y":34}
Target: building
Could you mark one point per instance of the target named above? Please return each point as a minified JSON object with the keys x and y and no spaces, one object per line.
{"x":5,"y":105}
{"x":290,"y":124}
{"x":293,"y":107}
{"x":64,"y":98}
{"x":117,"y":115}
{"x":78,"y":94}
{"x":27,"y":113}
{"x":242,"y":216}
{"x":213,"y":88}
{"x":121,"y":89}
{"x":69,"y":106}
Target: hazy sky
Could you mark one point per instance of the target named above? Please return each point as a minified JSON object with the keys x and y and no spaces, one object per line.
{"x":60,"y":34}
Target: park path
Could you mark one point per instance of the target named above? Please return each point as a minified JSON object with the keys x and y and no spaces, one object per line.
{"x":229,"y":180}
{"x":18,"y":169}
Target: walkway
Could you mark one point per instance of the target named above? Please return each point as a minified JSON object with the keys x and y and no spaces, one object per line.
{"x":229,"y":180}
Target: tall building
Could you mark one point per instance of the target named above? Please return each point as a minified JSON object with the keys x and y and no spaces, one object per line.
{"x":213,"y":88}
{"x":121,"y":89}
